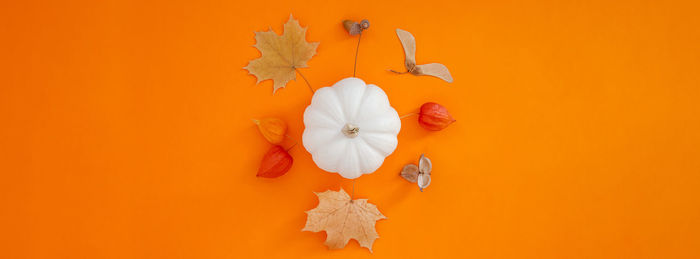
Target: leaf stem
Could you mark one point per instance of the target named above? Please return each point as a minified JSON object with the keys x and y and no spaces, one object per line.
{"x":305,"y":80}
{"x":391,"y":70}
{"x":357,"y":50}
{"x":352,"y":195}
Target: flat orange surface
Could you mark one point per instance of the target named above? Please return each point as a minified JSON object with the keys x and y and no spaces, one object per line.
{"x":126,"y":133}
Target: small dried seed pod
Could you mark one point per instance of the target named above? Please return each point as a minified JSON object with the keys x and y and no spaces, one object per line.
{"x":423,"y":181}
{"x":425,"y":166}
{"x":364,"y":24}
{"x":410,"y":173}
{"x":419,"y":174}
{"x":352,"y":27}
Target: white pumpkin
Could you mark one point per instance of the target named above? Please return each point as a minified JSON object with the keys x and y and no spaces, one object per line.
{"x":350,"y":128}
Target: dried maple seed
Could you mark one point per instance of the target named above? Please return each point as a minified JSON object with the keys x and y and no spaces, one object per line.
{"x":275,"y":163}
{"x":272,"y":129}
{"x":434,"y":117}
{"x":409,"y":47}
{"x":410,"y":173}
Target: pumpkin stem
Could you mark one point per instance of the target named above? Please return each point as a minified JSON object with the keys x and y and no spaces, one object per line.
{"x":350,"y":130}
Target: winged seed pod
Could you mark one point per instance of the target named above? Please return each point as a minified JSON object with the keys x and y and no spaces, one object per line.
{"x":409,"y":47}
{"x":418,"y":174}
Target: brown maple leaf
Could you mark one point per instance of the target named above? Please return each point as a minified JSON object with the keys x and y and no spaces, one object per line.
{"x":282,"y":54}
{"x":343,"y":219}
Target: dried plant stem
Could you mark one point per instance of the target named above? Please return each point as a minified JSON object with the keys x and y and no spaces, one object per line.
{"x":305,"y":80}
{"x":293,"y":145}
{"x":357,"y":50}
{"x":410,"y":114}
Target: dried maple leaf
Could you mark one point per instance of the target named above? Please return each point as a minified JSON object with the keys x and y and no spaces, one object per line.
{"x":343,"y":219}
{"x":409,"y":47}
{"x":281,"y":54}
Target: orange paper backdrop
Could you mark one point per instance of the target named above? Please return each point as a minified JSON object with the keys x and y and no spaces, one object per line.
{"x":126,"y":131}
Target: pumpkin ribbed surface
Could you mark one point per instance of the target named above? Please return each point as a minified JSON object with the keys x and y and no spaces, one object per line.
{"x":350,"y":128}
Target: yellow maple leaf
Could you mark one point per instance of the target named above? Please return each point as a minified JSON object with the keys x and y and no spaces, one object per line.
{"x":282,"y":54}
{"x":343,"y":219}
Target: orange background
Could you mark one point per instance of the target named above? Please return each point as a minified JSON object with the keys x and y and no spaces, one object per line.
{"x":126,"y":129}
